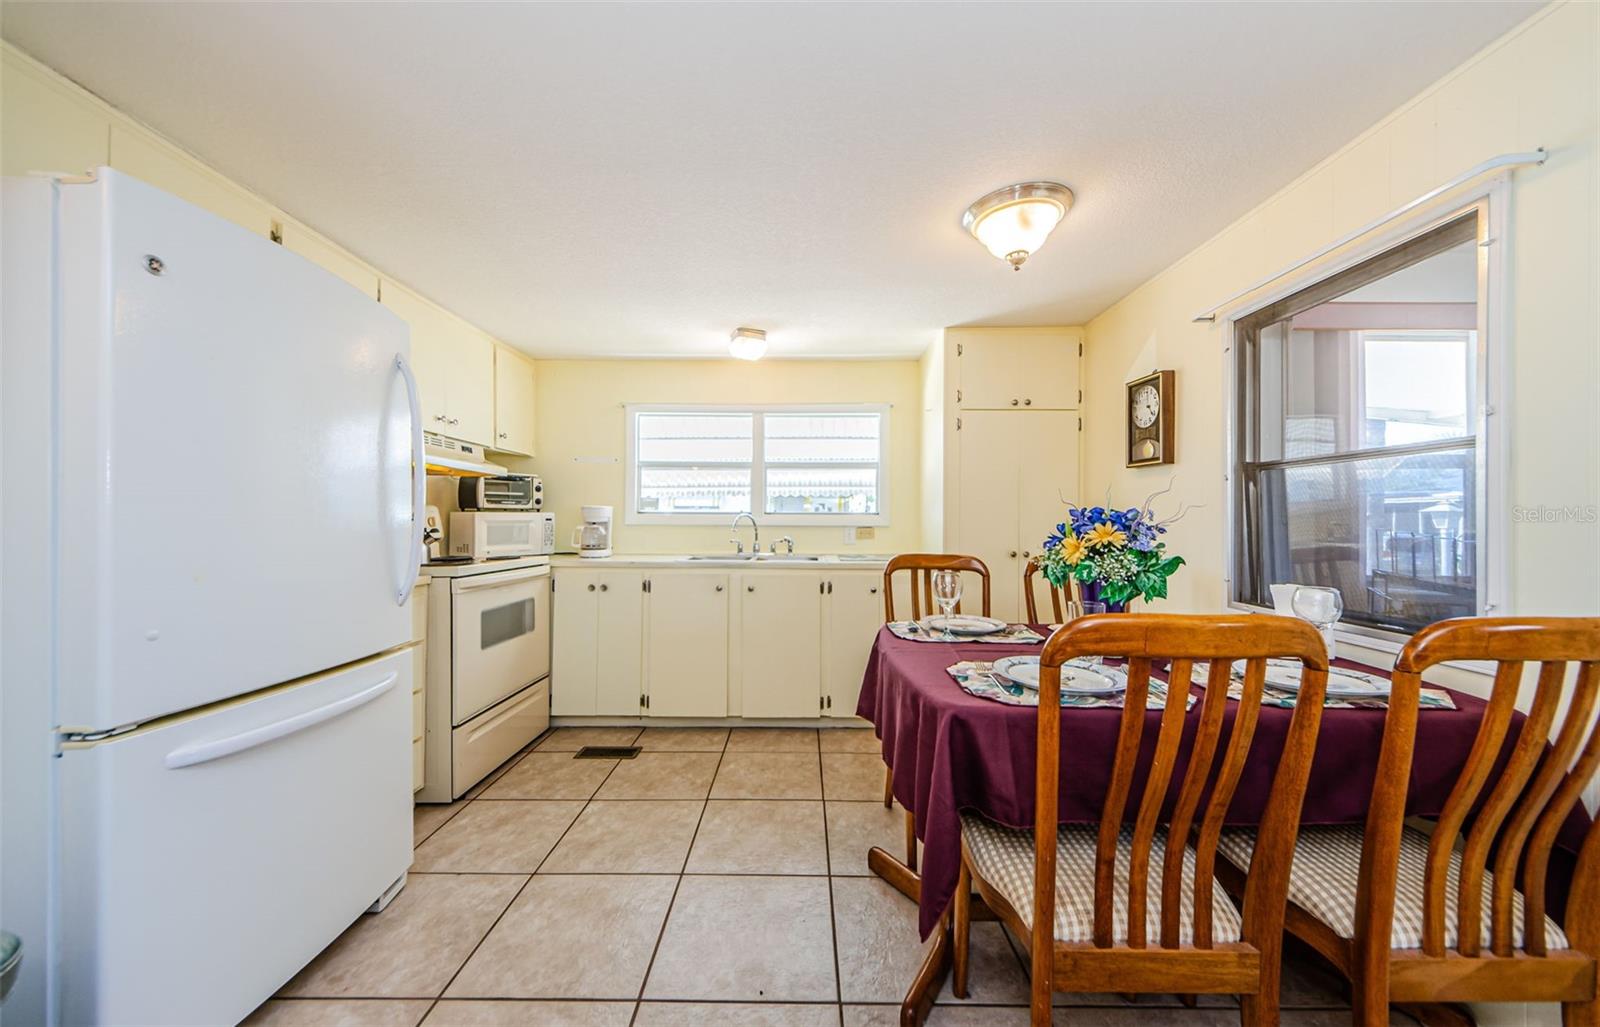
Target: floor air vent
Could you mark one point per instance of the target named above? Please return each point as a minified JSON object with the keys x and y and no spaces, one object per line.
{"x":607,"y":752}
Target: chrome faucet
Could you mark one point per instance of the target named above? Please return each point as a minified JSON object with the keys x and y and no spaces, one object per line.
{"x":756,"y":528}
{"x":786,"y":540}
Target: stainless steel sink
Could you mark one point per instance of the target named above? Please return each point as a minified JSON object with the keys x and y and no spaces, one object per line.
{"x":753,"y":558}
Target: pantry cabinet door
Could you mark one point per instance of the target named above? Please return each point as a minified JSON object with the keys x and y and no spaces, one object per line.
{"x":513,"y":402}
{"x":471,"y":384}
{"x":619,"y":643}
{"x":854,"y":613}
{"x":780,"y":650}
{"x":990,"y":444}
{"x":686,"y":645}
{"x":574,"y":632}
{"x":1049,"y":473}
{"x":1018,"y":368}
{"x":430,"y":353}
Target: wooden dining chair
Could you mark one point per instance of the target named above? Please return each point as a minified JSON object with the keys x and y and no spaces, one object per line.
{"x":1415,"y":917}
{"x":1080,"y":897}
{"x":921,"y":567}
{"x":1060,"y":596}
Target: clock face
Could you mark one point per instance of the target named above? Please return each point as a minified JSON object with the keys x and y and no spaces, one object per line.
{"x":1146,"y":406}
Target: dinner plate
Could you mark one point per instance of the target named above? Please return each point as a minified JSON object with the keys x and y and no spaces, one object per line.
{"x":1342,"y":684}
{"x":1024,"y":671}
{"x":964,"y":624}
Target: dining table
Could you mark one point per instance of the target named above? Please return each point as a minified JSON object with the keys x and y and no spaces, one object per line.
{"x":950,"y":751}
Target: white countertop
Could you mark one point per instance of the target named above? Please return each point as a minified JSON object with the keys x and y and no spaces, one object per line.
{"x":463,"y":570}
{"x":724,"y":561}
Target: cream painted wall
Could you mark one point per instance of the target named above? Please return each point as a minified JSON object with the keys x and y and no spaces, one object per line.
{"x":932,"y":370}
{"x":1534,"y":87}
{"x":582,"y":438}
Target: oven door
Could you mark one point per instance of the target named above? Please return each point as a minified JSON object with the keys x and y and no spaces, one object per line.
{"x":499,"y":637}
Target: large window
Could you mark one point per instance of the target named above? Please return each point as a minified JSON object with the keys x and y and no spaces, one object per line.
{"x":1357,"y":435}
{"x":785,"y":464}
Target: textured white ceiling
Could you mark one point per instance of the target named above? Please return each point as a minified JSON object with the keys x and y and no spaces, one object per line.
{"x":638,"y":180}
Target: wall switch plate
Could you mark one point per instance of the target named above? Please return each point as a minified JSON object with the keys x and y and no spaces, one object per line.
{"x":850,"y":536}
{"x":866,"y":534}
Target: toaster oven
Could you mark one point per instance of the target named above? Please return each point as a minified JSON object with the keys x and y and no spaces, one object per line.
{"x":501,"y":492}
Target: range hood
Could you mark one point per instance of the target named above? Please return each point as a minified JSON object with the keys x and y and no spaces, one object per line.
{"x":456,"y":458}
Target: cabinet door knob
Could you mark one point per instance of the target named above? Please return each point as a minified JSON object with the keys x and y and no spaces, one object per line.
{"x":1027,"y":402}
{"x":719,"y":588}
{"x":455,"y":420}
{"x":874,"y":590}
{"x":502,"y":435}
{"x":1013,"y":554}
{"x":749,"y":588}
{"x":1025,"y":555}
{"x":591,"y":588}
{"x":603,"y":588}
{"x":1013,"y":402}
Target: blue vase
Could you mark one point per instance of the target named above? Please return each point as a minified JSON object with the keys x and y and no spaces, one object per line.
{"x":1090,"y":591}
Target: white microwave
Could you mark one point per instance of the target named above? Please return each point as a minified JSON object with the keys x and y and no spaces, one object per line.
{"x":497,"y":534}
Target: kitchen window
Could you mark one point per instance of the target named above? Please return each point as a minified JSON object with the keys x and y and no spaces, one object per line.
{"x":1358,"y":441}
{"x":786,"y":464}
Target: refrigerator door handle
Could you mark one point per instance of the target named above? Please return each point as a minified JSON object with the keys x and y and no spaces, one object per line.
{"x":217,"y":748}
{"x":418,"y":482}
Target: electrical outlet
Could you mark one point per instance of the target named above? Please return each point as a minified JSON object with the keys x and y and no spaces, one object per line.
{"x":850,"y":536}
{"x":866,"y":534}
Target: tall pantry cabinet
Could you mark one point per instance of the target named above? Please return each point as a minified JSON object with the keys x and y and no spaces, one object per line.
{"x":1013,"y":402}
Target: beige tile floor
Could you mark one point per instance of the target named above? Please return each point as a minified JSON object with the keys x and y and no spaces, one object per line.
{"x":718,"y":878}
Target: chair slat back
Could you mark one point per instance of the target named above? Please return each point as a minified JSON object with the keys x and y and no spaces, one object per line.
{"x":1184,"y":641}
{"x":921,"y":567}
{"x":1059,"y":597}
{"x":1515,"y":824}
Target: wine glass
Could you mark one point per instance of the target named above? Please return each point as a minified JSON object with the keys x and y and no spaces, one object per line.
{"x":947,"y":593}
{"x":1322,"y":607}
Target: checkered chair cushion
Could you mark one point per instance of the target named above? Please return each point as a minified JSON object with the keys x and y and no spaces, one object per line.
{"x":1004,"y":857}
{"x":1327,"y":867}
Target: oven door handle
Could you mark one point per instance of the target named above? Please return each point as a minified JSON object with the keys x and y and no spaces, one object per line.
{"x":503,"y":579}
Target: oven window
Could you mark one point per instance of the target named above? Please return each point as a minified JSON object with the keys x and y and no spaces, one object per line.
{"x":503,"y":623}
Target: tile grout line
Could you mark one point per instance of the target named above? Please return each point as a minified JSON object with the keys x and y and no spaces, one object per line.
{"x":833,"y":915}
{"x":667,"y":916}
{"x":440,"y":997}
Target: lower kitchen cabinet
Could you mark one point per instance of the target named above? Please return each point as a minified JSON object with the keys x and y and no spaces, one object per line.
{"x":598,"y":633}
{"x":419,"y":680}
{"x":780,"y":662}
{"x":668,"y":642}
{"x":686,"y":645}
{"x":853,"y":612}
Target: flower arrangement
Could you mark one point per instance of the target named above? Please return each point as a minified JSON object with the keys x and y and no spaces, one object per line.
{"x":1115,"y":555}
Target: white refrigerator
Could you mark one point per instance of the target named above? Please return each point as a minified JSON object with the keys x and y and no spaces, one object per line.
{"x":211,"y":480}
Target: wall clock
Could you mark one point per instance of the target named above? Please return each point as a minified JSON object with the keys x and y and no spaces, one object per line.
{"x":1150,"y":419}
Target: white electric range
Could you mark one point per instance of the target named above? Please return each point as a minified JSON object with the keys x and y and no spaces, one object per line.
{"x":488,"y":684}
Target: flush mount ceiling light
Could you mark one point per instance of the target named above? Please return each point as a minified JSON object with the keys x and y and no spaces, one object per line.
{"x":748,"y":343}
{"x":1012,"y":223}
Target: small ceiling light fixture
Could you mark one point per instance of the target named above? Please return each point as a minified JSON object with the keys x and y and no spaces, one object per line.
{"x":748,"y":343}
{"x":1012,"y":223}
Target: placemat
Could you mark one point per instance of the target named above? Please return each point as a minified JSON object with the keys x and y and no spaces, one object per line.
{"x":1429,"y":699}
{"x":1014,"y":634}
{"x":976,"y":677}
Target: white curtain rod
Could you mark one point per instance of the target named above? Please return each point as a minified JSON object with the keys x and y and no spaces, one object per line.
{"x":1505,"y":160}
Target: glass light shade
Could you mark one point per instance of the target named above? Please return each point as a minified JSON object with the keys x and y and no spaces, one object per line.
{"x":748,"y":344}
{"x":1012,"y":223}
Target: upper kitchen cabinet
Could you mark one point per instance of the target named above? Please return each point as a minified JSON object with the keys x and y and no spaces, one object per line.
{"x":297,"y":238}
{"x":179,"y":174}
{"x":1017,"y":368}
{"x":454,"y":364}
{"x":513,"y":402}
{"x":46,"y":128}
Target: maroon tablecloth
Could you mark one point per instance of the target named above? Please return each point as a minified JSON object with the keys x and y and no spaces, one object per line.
{"x":952,"y":751}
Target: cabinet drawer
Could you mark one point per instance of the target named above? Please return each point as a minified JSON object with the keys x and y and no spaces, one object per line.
{"x":489,"y":739}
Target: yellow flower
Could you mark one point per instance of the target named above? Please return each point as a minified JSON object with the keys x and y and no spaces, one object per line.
{"x":1073,"y":550}
{"x":1106,"y":534}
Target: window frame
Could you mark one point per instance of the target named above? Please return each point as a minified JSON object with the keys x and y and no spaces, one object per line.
{"x":758,"y":470}
{"x":1490,"y":201}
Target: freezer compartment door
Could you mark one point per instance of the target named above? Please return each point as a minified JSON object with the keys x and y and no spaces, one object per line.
{"x":235,"y":461}
{"x":207,"y":859}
